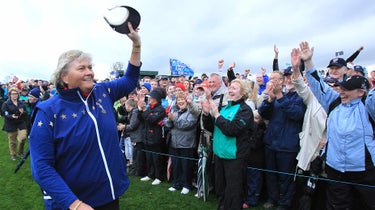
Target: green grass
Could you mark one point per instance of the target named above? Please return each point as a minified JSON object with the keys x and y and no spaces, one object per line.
{"x":19,"y":190}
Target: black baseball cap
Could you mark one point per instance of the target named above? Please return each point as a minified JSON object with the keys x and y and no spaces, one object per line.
{"x":356,"y":82}
{"x":339,"y":62}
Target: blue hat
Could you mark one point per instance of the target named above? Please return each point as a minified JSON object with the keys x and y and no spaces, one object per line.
{"x":288,"y":71}
{"x":35,"y":92}
{"x":147,"y":86}
{"x":359,"y":69}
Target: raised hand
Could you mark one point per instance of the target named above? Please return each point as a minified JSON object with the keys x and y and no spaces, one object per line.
{"x":306,"y":52}
{"x":295,"y":61}
{"x":264,"y":70}
{"x":270,"y":91}
{"x":232,"y":65}
{"x":276,"y":50}
{"x":133,"y":35}
{"x":205,"y":106}
{"x":295,"y":58}
{"x":214,"y":108}
{"x":171,"y":116}
{"x":220,"y":63}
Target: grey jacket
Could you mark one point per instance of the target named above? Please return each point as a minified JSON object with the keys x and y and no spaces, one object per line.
{"x":134,"y":128}
{"x":183,"y":128}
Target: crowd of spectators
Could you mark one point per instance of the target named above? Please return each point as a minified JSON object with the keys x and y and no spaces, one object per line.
{"x":284,"y":128}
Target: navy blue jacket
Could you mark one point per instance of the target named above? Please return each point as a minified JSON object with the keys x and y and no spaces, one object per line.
{"x":285,"y":117}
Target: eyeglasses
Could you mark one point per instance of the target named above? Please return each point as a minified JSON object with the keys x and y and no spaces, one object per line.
{"x":14,"y":94}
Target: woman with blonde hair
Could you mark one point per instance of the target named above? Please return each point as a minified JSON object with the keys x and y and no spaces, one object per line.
{"x":252,"y":99}
{"x":231,"y":127}
{"x":75,"y":157}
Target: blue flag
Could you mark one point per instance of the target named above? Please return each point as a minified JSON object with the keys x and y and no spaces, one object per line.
{"x":178,"y":68}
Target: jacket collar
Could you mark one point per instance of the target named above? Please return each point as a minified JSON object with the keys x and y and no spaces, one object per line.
{"x":232,"y":103}
{"x":74,"y":94}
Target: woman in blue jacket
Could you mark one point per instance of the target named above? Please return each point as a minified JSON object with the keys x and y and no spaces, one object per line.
{"x":75,"y":157}
{"x":350,"y":148}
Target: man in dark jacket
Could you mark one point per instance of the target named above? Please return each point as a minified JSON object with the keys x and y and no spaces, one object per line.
{"x":285,"y":111}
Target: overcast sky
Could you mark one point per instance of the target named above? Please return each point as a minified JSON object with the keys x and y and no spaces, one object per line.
{"x":198,"y":32}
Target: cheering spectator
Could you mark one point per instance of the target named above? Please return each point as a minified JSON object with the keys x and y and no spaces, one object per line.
{"x":152,"y":117}
{"x":285,"y":111}
{"x":350,"y":154}
{"x":231,"y":129}
{"x":74,"y":152}
{"x":183,"y":126}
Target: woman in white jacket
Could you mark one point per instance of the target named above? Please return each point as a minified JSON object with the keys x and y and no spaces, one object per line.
{"x":312,"y":134}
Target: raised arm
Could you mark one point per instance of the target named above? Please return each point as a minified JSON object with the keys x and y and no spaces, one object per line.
{"x":321,"y":90}
{"x":135,"y":57}
{"x":354,"y":55}
{"x":275,"y":64}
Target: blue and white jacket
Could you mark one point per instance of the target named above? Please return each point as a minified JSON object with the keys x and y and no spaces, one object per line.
{"x":370,"y":103}
{"x":349,"y":131}
{"x":74,"y":144}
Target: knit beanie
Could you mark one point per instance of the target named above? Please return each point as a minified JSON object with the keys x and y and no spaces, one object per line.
{"x":35,"y":92}
{"x":147,"y":86}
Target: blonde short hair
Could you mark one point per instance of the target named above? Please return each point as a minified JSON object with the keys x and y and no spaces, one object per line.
{"x":13,"y":89}
{"x":181,"y":95}
{"x":63,"y":63}
{"x":244,"y":87}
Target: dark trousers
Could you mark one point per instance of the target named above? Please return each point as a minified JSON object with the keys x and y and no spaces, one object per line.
{"x":340,"y":195}
{"x":280,"y":187}
{"x":230,"y":182}
{"x":139,"y":159}
{"x":182,"y":167}
{"x":153,"y":161}
{"x":254,"y":186}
